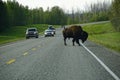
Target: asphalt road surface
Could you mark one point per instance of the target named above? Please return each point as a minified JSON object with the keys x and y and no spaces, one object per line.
{"x":48,"y":59}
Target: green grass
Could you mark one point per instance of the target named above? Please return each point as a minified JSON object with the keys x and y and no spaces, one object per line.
{"x":104,"y":34}
{"x":99,"y":28}
{"x":18,"y":32}
{"x":7,"y":39}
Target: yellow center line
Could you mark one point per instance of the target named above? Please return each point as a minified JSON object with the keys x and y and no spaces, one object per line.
{"x":11,"y":61}
{"x":39,"y":46}
{"x":25,"y":53}
{"x":33,"y":49}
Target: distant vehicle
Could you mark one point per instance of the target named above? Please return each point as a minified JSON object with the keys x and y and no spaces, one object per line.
{"x":32,"y":32}
{"x":49,"y":32}
{"x":52,"y":28}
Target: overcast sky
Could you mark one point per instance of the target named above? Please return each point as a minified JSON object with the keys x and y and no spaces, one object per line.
{"x":64,"y":4}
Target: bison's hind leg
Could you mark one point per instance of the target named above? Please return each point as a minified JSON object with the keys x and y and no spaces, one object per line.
{"x":73,"y":41}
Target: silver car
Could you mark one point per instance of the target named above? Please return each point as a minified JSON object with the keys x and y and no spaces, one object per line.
{"x":31,"y":32}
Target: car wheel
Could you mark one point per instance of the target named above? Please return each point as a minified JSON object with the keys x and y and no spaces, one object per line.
{"x":36,"y":36}
{"x":27,"y":37}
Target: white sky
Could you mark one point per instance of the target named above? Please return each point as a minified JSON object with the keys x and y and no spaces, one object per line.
{"x":64,"y":4}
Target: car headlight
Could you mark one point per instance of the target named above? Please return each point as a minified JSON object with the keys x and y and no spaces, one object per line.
{"x":26,"y":32}
{"x":35,"y":32}
{"x":45,"y":33}
{"x":52,"y":32}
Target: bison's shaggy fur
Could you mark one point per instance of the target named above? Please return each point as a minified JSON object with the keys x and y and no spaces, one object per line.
{"x":76,"y":33}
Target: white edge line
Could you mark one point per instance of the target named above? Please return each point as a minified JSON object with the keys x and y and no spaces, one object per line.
{"x":107,"y":68}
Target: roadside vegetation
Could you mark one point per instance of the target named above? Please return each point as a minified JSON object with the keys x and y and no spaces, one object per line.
{"x":115,"y":14}
{"x":104,"y":34}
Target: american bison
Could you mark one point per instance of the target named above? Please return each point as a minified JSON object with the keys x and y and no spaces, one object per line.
{"x":76,"y":32}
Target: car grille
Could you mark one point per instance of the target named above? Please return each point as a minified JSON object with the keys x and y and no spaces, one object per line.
{"x":31,"y":33}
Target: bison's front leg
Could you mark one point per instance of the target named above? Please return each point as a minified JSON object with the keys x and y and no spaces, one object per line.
{"x":65,"y":41}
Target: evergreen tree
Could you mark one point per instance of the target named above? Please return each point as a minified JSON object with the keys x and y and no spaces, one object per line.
{"x":3,"y":16}
{"x":115,"y":19}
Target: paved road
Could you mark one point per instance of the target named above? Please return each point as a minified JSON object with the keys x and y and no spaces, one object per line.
{"x":48,"y":59}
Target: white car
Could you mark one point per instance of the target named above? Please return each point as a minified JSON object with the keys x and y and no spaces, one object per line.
{"x":49,"y":32}
{"x":52,"y":28}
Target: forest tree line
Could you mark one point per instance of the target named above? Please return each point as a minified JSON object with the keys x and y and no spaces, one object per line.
{"x":115,"y":14}
{"x":14,"y":14}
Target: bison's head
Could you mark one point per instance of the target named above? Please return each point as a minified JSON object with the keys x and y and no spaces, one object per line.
{"x":84,"y":36}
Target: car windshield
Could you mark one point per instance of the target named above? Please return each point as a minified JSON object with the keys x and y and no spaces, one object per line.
{"x":51,"y":27}
{"x":32,"y":30}
{"x":49,"y":31}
